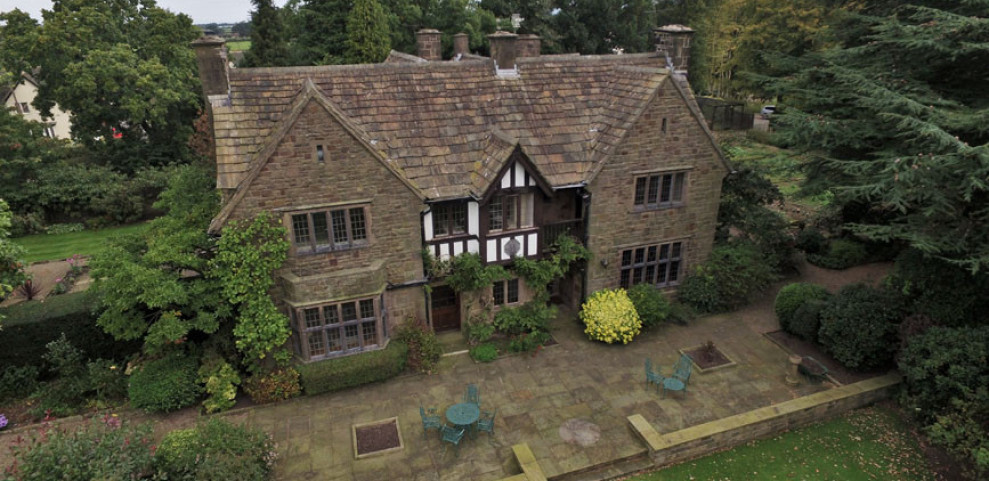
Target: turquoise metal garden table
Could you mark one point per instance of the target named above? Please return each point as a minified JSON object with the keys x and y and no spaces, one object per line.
{"x":464,"y":414}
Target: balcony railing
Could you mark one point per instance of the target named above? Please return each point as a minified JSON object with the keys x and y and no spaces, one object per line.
{"x":550,"y":232}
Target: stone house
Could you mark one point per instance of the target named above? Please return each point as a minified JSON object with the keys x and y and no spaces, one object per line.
{"x":370,"y":166}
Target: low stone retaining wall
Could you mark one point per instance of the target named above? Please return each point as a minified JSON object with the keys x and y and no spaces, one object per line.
{"x":703,"y":439}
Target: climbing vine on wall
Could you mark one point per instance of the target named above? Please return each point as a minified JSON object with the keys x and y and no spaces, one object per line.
{"x":248,"y":254}
{"x":539,"y":274}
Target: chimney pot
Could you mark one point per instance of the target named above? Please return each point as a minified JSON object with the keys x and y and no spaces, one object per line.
{"x":211,"y":57}
{"x":529,"y":45}
{"x":461,"y":44}
{"x":428,"y":44}
{"x":503,"y":49}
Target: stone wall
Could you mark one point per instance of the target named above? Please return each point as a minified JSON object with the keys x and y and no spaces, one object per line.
{"x":703,"y":439}
{"x":293,"y":180}
{"x":616,"y":225}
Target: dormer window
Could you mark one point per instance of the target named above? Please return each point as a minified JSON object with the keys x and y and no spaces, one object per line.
{"x":320,"y":154}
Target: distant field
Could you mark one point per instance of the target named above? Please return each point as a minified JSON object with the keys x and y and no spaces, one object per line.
{"x":46,"y":247}
{"x":239,"y":45}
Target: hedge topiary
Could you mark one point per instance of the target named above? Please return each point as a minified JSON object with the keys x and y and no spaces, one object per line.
{"x":792,"y":296}
{"x":165,"y":384}
{"x":841,"y":254}
{"x":806,"y":321}
{"x":350,"y":371}
{"x":732,"y":273}
{"x":651,"y":305}
{"x":216,"y":450}
{"x":609,"y":316}
{"x":858,"y":327}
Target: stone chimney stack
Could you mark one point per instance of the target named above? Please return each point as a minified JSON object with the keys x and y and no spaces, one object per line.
{"x":503,"y":49}
{"x":674,"y":41}
{"x":529,"y":45}
{"x":428,"y":44}
{"x":461,"y":44}
{"x":211,"y":56}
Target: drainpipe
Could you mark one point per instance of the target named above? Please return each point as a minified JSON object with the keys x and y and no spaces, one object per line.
{"x":425,"y":275}
{"x":586,"y":197}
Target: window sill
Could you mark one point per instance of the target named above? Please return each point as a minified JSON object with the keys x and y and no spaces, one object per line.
{"x":344,"y":353}
{"x":451,"y":237}
{"x":653,"y":208}
{"x":328,"y":250}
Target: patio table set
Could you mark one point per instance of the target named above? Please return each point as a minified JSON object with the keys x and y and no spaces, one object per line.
{"x":463,"y":418}
{"x":677,"y":381}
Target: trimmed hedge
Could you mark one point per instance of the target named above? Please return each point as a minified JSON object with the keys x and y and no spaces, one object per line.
{"x":165,"y":384}
{"x":792,"y":296}
{"x":341,"y":373}
{"x":30,"y":326}
{"x":859,"y":327}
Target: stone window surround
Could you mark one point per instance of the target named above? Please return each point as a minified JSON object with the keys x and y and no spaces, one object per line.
{"x":655,"y":264}
{"x":659,"y":174}
{"x":303,"y":333}
{"x":295,"y":250}
{"x":506,"y":290}
{"x":315,"y":146}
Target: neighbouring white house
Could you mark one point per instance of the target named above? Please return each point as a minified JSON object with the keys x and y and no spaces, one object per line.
{"x":19,"y":98}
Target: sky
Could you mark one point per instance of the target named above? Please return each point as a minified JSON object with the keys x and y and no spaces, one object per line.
{"x":201,"y":11}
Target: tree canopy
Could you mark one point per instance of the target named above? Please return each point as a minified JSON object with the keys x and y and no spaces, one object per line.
{"x":120,"y":66}
{"x":896,"y":115}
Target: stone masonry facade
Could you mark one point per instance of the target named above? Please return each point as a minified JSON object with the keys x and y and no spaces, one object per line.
{"x":615,"y":224}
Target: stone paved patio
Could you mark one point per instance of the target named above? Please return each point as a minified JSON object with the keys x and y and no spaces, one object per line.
{"x":535,"y":396}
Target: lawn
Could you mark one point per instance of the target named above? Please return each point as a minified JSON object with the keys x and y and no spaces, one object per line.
{"x":239,"y":45}
{"x":45,"y":247}
{"x":782,"y":166}
{"x":868,"y":444}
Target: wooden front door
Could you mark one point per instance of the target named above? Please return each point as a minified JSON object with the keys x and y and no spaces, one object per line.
{"x":445,"y":308}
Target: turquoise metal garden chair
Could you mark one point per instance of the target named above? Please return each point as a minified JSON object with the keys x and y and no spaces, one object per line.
{"x":681,"y":375}
{"x":486,"y":422}
{"x":430,"y":420}
{"x":452,"y":436}
{"x":653,"y":377}
{"x":473,"y":395}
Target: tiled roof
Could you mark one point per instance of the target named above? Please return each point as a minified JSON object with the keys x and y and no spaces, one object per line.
{"x":449,"y":126}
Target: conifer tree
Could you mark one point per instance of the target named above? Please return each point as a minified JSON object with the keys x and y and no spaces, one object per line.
{"x":897,"y":119}
{"x":268,"y":47}
{"x":368,"y":38}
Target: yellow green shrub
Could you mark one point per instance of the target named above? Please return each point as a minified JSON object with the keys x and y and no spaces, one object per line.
{"x":610,"y":316}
